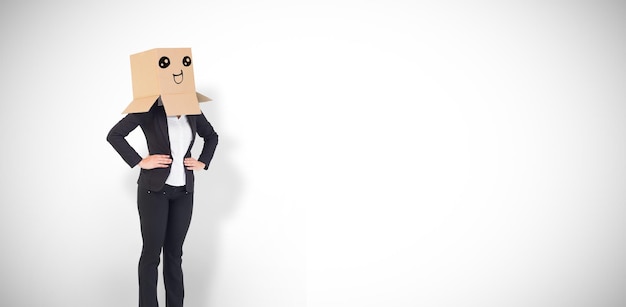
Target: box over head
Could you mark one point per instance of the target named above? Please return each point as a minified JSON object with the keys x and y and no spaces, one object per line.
{"x":165,"y":73}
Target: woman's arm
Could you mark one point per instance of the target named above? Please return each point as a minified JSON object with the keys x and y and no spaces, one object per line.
{"x":206,"y":131}
{"x":117,"y":137}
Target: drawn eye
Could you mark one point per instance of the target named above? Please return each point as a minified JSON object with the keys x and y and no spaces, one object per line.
{"x":186,"y":61}
{"x":164,"y":62}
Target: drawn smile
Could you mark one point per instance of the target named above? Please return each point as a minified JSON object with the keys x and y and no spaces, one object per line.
{"x":178,"y":79}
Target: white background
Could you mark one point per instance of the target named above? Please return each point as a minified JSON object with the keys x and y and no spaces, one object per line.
{"x":372,"y":153}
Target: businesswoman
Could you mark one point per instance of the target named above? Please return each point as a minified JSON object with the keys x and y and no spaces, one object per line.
{"x":165,"y":191}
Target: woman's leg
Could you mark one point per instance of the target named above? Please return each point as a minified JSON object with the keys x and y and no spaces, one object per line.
{"x":181,"y":206}
{"x":153,"y":214}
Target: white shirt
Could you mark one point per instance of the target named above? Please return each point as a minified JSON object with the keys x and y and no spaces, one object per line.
{"x":179,"y":133}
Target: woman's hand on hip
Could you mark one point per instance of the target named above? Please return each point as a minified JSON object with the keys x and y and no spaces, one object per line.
{"x":193,"y":164}
{"x":155,"y":161}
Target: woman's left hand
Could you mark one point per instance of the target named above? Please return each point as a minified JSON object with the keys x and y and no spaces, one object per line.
{"x":193,"y":164}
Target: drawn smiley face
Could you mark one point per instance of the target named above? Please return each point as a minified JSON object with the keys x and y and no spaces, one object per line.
{"x":165,"y":62}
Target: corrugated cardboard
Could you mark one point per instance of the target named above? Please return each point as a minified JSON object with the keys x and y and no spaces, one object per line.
{"x":168,"y":73}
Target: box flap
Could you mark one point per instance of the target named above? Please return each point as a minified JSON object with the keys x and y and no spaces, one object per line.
{"x":141,"y":105}
{"x":202,"y":98}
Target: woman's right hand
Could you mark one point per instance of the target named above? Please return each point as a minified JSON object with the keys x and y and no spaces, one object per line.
{"x":155,"y":161}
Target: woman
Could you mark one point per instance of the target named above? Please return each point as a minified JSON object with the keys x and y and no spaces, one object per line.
{"x":165,"y":191}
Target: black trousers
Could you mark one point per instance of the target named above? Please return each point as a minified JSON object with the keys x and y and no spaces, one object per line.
{"x":165,"y":216}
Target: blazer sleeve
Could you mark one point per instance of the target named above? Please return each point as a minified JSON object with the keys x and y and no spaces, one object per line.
{"x":117,"y":137}
{"x":206,"y":131}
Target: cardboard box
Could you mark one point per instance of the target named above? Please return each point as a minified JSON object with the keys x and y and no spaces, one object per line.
{"x":165,"y":73}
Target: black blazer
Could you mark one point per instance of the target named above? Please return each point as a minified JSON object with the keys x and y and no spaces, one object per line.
{"x":154,"y":126}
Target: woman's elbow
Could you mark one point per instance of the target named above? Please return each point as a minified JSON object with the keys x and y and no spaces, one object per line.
{"x":112,"y":136}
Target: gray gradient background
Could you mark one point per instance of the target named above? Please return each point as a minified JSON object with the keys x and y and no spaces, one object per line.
{"x":373,"y":153}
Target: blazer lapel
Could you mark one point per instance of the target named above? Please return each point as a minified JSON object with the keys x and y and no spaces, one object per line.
{"x":192,"y":124}
{"x":161,"y":119}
